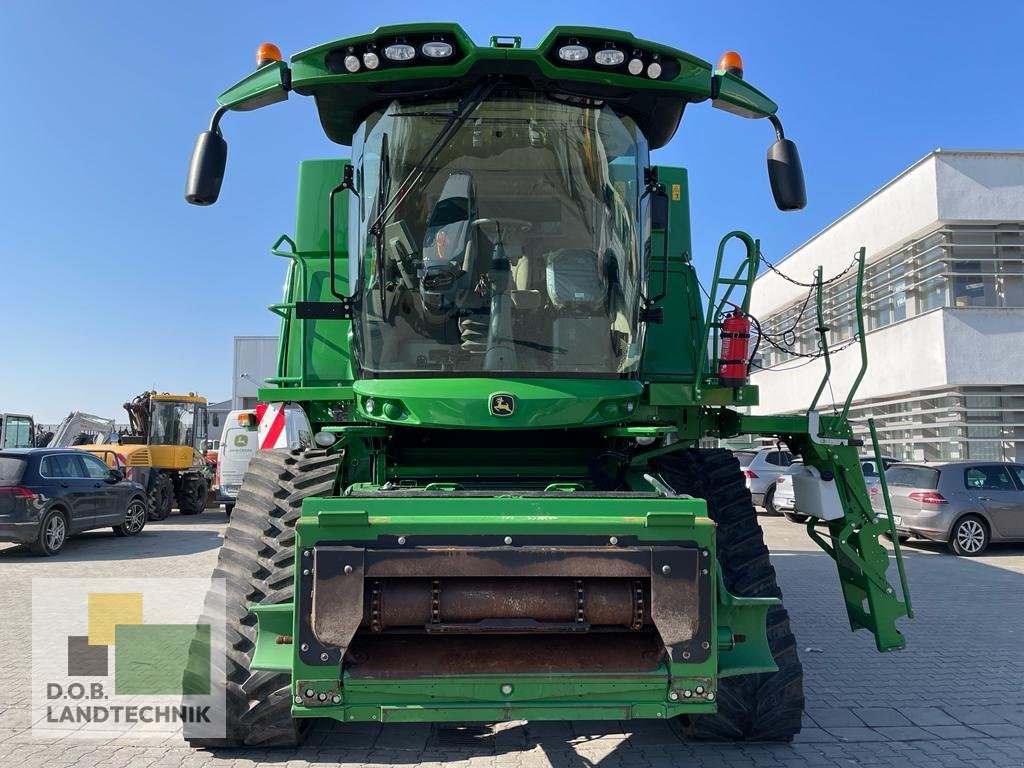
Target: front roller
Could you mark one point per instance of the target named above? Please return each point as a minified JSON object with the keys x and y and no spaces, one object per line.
{"x":766,"y":706}
{"x":256,"y":565}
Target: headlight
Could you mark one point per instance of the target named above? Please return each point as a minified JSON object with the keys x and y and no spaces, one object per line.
{"x":609,"y":57}
{"x":635,"y":66}
{"x":573,"y":52}
{"x":400,"y":52}
{"x":351,"y":63}
{"x":371,"y":60}
{"x":437,"y":49}
{"x":654,"y":70}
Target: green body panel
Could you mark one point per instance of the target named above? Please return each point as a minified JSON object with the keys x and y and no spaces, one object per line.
{"x":466,"y":469}
{"x":358,"y":521}
{"x":465,"y":403}
{"x":267,"y":85}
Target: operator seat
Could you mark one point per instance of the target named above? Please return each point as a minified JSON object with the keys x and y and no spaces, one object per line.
{"x":579,"y":295}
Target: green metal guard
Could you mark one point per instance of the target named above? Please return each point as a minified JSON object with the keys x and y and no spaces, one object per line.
{"x":285,"y":310}
{"x":884,"y":488}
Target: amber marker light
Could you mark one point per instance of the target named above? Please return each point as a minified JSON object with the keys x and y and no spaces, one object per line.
{"x":267,"y":53}
{"x":732,"y":63}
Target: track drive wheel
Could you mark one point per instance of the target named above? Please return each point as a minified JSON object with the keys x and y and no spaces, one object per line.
{"x":757,"y":707}
{"x":161,"y":497}
{"x":255,"y":566}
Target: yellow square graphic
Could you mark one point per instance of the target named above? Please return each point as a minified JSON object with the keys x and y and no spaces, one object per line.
{"x":107,"y":610}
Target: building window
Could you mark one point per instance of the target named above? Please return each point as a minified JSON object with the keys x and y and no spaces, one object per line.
{"x":957,"y":266}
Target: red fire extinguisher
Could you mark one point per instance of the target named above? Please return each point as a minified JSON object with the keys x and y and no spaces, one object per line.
{"x":732,"y":365}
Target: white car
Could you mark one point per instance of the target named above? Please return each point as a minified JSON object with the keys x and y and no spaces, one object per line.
{"x":785,"y":498}
{"x":760,"y":470}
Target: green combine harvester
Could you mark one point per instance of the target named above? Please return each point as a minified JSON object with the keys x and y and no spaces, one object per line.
{"x":493,"y":324}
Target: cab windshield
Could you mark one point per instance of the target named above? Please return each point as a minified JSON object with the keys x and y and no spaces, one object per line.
{"x":517,"y":250}
{"x":173,"y":423}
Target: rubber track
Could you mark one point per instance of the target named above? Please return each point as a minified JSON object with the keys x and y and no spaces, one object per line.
{"x":256,"y":565}
{"x":757,"y":707}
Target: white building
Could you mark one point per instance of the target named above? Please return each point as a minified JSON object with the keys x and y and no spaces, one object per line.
{"x":255,"y":360}
{"x":943,"y":308}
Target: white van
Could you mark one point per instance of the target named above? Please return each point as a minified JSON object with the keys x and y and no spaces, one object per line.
{"x":238,"y":443}
{"x":241,"y":439}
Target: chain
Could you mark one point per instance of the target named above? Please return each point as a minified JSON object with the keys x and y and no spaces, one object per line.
{"x":789,"y":279}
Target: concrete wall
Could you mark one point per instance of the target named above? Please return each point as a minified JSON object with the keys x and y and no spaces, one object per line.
{"x":904,"y":357}
{"x":255,"y":360}
{"x":985,"y":346}
{"x":980,"y":186}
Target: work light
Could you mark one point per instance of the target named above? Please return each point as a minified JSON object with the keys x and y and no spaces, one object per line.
{"x":573,"y":52}
{"x":609,"y":57}
{"x":400,"y":52}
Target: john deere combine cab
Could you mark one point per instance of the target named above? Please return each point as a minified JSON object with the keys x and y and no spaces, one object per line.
{"x":493,"y":324}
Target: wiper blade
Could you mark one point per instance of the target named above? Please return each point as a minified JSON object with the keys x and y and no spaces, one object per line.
{"x":455,"y":121}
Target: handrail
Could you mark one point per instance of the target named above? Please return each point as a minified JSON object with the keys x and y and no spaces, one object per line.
{"x":862,"y":336}
{"x":822,"y":339}
{"x":716,"y":306}
{"x":299,"y":265}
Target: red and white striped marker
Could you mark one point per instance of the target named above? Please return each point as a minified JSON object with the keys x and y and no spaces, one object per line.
{"x":271,"y":431}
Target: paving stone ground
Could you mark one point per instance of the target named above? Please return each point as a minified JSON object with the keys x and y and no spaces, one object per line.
{"x":954,"y":697}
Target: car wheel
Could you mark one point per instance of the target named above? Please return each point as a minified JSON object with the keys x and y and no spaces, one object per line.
{"x":134,"y":519}
{"x":769,"y":502}
{"x":53,"y":534}
{"x":795,"y":517}
{"x":969,"y":537}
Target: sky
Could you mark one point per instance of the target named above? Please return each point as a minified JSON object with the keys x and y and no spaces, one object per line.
{"x":111,"y":284}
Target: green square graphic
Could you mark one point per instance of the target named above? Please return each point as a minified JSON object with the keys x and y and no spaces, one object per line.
{"x":151,"y":659}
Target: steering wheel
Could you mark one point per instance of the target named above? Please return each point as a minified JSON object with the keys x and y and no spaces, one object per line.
{"x":512,"y":230}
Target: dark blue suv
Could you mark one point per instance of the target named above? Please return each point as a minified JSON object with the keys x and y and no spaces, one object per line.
{"x":48,"y":494}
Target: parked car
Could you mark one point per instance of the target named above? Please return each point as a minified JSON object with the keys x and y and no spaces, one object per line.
{"x":761,"y":469}
{"x":47,"y":495}
{"x":966,"y":504}
{"x":785,"y":498}
{"x":238,"y":443}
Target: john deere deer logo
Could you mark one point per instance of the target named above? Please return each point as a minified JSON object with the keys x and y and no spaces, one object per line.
{"x":502,"y":404}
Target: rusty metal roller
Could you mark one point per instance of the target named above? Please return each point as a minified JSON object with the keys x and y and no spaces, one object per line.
{"x":421,"y":602}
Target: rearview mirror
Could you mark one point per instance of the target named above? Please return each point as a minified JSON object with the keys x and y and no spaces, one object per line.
{"x":206,"y":171}
{"x":659,"y":208}
{"x":115,"y":476}
{"x":786,"y":176}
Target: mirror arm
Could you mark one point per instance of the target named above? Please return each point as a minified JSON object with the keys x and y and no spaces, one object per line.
{"x":347,"y":182}
{"x":777,"y":124}
{"x":215,"y":120}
